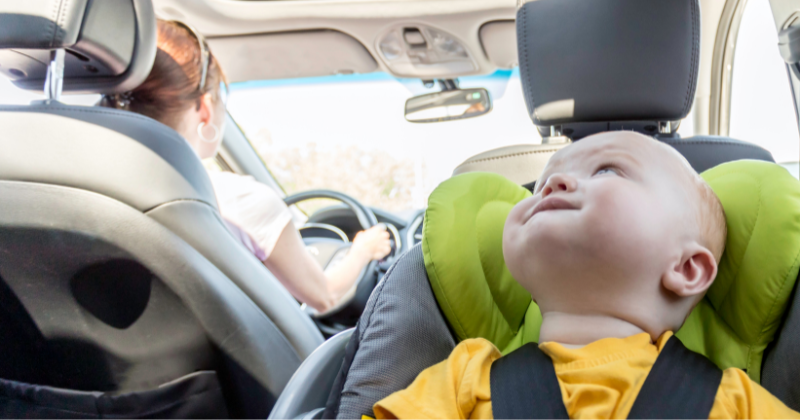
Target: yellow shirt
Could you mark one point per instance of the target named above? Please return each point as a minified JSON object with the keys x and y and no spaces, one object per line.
{"x":600,"y":380}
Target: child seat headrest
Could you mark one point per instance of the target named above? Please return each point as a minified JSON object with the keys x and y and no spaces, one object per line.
{"x":732,"y":325}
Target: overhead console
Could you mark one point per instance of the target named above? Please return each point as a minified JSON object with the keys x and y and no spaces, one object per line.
{"x":416,"y":50}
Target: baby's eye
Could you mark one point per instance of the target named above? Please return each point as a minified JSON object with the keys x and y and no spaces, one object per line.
{"x":606,"y":170}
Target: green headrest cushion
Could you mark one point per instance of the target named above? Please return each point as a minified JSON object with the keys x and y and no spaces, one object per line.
{"x":462,"y":247}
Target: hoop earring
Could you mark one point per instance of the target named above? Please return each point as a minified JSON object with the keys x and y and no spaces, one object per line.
{"x":202,"y":137}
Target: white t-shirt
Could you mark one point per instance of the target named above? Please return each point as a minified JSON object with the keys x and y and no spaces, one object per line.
{"x":253,"y":207}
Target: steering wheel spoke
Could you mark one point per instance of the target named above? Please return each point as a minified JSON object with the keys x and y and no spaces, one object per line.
{"x":328,"y":250}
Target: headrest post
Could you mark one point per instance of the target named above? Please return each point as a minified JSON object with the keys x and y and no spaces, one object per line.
{"x":54,"y":82}
{"x":665,"y":127}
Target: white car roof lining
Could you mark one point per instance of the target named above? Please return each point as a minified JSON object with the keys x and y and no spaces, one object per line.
{"x":492,"y":44}
{"x":290,"y":55}
{"x":364,"y":21}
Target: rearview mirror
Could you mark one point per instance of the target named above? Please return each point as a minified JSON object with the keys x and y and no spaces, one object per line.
{"x":448,"y":105}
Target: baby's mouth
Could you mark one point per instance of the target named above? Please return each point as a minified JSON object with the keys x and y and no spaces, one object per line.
{"x":550,"y":204}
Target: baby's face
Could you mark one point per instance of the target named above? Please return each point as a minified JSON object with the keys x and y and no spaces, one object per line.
{"x":604,"y":222}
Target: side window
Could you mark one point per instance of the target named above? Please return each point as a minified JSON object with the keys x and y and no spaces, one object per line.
{"x":762,"y":109}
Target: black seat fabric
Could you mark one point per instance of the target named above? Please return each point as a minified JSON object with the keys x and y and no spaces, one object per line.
{"x":781,"y":362}
{"x":401,"y":332}
{"x":196,"y":395}
{"x":706,"y":152}
{"x":632,"y":64}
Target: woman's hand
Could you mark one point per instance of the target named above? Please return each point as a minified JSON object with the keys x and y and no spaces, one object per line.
{"x":372,"y":244}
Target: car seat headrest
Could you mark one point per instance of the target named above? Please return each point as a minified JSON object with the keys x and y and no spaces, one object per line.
{"x":110,"y":44}
{"x":592,"y":66}
{"x":733,"y":324}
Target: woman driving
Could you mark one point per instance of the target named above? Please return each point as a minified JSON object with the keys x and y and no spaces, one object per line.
{"x":186,"y":90}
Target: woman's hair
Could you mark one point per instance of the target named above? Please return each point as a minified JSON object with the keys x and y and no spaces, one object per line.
{"x":171,"y":88}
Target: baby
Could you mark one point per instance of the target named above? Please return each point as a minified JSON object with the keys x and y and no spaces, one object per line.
{"x":619,"y":242}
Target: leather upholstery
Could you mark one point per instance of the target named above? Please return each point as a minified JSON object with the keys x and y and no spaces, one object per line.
{"x":41,"y":24}
{"x":201,"y":226}
{"x":524,"y":163}
{"x":148,"y":166}
{"x":50,"y":234}
{"x":521,"y":163}
{"x":95,"y":62}
{"x":706,"y":152}
{"x":122,"y":155}
{"x":627,"y":60}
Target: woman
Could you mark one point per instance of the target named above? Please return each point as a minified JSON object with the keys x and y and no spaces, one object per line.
{"x":186,"y":90}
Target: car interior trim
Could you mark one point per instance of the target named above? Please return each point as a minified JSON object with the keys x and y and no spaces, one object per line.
{"x":340,"y":233}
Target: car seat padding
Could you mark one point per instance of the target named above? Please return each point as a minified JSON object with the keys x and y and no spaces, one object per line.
{"x":401,"y":333}
{"x":462,"y":247}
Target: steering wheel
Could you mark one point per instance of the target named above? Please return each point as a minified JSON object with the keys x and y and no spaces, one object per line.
{"x":329,"y":251}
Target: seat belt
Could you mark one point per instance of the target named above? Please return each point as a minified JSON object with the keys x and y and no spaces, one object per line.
{"x":524,"y":386}
{"x":681,"y":385}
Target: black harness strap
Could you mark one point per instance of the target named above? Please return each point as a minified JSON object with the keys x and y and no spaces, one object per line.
{"x":681,"y":385}
{"x":524,"y":386}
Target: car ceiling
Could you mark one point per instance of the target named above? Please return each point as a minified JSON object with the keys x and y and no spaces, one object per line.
{"x":258,"y":40}
{"x":301,"y":38}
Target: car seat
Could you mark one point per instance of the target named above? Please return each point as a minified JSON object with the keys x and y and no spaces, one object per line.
{"x":403,"y":329}
{"x":117,"y":275}
{"x":648,"y":76}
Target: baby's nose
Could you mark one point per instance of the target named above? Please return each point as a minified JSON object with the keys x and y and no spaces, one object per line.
{"x":559,"y":182}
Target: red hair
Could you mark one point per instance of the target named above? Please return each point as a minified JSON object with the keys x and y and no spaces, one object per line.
{"x":171,"y":88}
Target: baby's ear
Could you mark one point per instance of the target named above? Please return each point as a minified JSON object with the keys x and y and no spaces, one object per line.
{"x":693,"y":274}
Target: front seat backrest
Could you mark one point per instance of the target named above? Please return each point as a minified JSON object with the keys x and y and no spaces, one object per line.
{"x":133,"y":159}
{"x":139,"y":165}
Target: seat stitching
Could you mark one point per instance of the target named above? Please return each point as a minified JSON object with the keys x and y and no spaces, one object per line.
{"x":529,"y":89}
{"x":178,"y":200}
{"x":747,"y":248}
{"x":786,"y":279}
{"x":50,"y":28}
{"x":110,"y":112}
{"x":512,"y":155}
{"x":726,"y":143}
{"x":693,"y":69}
{"x":457,"y":323}
{"x":62,"y":17}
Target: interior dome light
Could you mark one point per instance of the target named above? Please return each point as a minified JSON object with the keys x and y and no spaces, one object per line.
{"x":391,"y":47}
{"x":446,"y":44}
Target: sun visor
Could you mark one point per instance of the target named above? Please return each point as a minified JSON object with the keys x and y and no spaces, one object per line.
{"x":110,"y":44}
{"x":290,"y":55}
{"x":499,"y":41}
{"x":608,"y":60}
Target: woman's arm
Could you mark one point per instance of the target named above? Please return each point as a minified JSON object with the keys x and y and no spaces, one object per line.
{"x":300,"y":273}
{"x":368,"y":245}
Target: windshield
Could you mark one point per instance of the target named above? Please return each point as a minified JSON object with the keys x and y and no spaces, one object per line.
{"x":348,"y":133}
